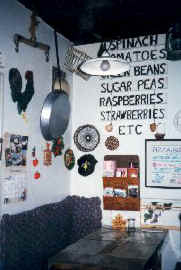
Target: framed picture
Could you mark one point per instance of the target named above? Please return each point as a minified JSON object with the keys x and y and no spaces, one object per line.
{"x":163,"y":163}
{"x":160,"y":213}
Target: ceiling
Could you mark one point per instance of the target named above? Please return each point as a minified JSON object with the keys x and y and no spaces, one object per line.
{"x":89,"y":21}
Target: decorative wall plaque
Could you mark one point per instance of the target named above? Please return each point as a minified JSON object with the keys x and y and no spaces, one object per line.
{"x":86,"y":138}
{"x":86,"y":164}
{"x":112,"y":143}
{"x":69,"y":159}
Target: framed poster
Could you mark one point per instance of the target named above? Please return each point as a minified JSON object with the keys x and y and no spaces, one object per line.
{"x":14,"y":188}
{"x":163,"y":163}
{"x":160,"y":213}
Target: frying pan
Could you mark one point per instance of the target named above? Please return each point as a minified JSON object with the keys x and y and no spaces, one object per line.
{"x":55,"y":112}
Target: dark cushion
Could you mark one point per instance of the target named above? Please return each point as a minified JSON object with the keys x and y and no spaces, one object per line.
{"x":178,"y":266}
{"x":27,"y":239}
{"x":86,"y":216}
{"x":33,"y":235}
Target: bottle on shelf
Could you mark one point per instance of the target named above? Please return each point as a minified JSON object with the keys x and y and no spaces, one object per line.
{"x":132,"y":171}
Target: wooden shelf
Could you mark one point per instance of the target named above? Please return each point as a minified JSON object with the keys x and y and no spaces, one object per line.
{"x":120,"y":182}
{"x":118,"y":203}
{"x":116,"y":188}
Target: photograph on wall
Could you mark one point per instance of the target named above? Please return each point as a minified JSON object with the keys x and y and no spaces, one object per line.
{"x":14,"y":188}
{"x":14,"y":182}
{"x":16,"y":150}
{"x":160,"y":213}
{"x":163,"y":163}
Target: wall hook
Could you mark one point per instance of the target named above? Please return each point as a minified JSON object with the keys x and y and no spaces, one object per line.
{"x":32,"y":40}
{"x":18,"y":38}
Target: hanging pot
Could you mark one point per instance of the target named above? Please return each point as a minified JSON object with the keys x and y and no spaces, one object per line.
{"x":55,"y":111}
{"x":55,"y":115}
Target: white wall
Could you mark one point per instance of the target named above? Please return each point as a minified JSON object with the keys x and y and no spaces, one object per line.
{"x":54,"y":183}
{"x":86,"y":111}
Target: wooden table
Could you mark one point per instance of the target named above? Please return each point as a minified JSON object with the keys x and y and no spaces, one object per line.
{"x":111,"y":249}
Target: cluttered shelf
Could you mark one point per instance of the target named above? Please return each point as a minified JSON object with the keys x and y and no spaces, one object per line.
{"x":117,"y":203}
{"x":121,"y":193}
{"x":120,"y":181}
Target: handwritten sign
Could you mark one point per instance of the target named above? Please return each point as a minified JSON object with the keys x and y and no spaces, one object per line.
{"x":140,"y":94}
{"x":163,"y":163}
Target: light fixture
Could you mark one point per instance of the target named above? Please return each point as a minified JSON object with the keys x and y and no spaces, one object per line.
{"x":173,"y":42}
{"x":104,"y":64}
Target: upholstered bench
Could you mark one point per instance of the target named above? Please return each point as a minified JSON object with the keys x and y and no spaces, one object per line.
{"x":29,"y":238}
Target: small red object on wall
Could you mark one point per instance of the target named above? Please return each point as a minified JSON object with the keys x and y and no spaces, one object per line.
{"x":47,"y":159}
{"x":37,"y":175}
{"x":35,"y":162}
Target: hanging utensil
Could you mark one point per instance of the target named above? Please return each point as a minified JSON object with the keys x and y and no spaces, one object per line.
{"x":55,"y":112}
{"x":109,"y":127}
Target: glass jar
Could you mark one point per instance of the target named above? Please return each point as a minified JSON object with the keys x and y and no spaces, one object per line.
{"x":131,"y":225}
